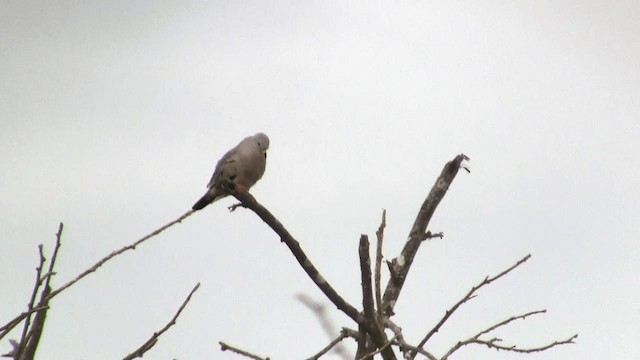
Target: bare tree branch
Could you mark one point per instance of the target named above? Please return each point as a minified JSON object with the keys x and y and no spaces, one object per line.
{"x":343,"y":334}
{"x":379,"y":237}
{"x":225,"y":347}
{"x":365,"y":270}
{"x":154,"y":338}
{"x":467,"y":297}
{"x":493,"y":343}
{"x":379,"y":350}
{"x":35,"y":333}
{"x":250,"y":202}
{"x":34,"y":293}
{"x":364,"y":343}
{"x":5,"y":329}
{"x":400,"y":266}
{"x":327,"y":325}
{"x":116,"y":253}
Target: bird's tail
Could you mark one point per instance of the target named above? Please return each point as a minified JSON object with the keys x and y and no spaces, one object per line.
{"x":207,"y":199}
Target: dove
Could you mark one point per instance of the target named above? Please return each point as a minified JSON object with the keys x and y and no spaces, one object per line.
{"x":240,"y":168}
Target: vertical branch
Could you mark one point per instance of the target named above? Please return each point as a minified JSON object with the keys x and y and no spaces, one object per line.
{"x":379,"y":236}
{"x":367,"y":296}
{"x":34,"y":293}
{"x":400,"y":266}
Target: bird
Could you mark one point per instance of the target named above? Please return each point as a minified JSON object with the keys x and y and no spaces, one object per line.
{"x":239,"y":169}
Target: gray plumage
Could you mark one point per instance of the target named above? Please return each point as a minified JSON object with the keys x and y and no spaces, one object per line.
{"x":240,"y":168}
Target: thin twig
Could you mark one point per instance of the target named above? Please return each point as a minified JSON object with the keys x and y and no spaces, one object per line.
{"x":116,"y":253}
{"x":399,"y":267}
{"x":419,"y":351}
{"x":380,"y":349}
{"x":467,"y":297}
{"x":225,"y":347}
{"x":334,"y":342}
{"x":35,"y":332}
{"x":154,"y":338}
{"x":6,"y":328}
{"x":327,"y":325}
{"x":402,"y":344}
{"x":34,"y":293}
{"x":492,"y":343}
{"x":379,"y":237}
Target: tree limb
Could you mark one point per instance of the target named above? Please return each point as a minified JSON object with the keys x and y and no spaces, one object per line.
{"x":467,"y":297}
{"x":401,"y":265}
{"x":493,"y":343}
{"x":225,"y":347}
{"x":116,"y":253}
{"x":250,"y":202}
{"x":154,"y":338}
{"x":379,"y":237}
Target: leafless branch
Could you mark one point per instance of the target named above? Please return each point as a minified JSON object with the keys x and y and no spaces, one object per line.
{"x":379,"y":350}
{"x":343,"y":334}
{"x":467,"y":297}
{"x":5,"y":329}
{"x":34,"y":293}
{"x":418,"y":350}
{"x":364,"y":345}
{"x":493,"y":343}
{"x":319,"y":310}
{"x":365,"y":270}
{"x":116,"y":253}
{"x":400,"y":266}
{"x":225,"y":347}
{"x":428,"y":236}
{"x":154,"y":338}
{"x":377,"y":275}
{"x":250,"y":202}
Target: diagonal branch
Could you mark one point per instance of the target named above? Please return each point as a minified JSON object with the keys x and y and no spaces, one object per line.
{"x":343,"y":334}
{"x":6,"y":328}
{"x":470,"y":295}
{"x":116,"y":253}
{"x":154,"y":338}
{"x":225,"y":347}
{"x":493,"y":343}
{"x":250,"y":202}
{"x":401,"y":265}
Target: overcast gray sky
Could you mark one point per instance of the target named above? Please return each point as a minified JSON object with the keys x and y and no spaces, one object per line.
{"x":113,"y":115}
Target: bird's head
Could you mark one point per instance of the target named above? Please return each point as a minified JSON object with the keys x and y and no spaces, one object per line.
{"x":263,"y":141}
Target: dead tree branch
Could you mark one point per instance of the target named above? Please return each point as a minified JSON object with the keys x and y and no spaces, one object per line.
{"x":225,"y":347}
{"x":116,"y":253}
{"x":494,"y":342}
{"x":380,"y":238}
{"x":154,"y":338}
{"x":250,"y":202}
{"x":470,"y":295}
{"x":5,"y":329}
{"x":327,"y":325}
{"x":34,"y":293}
{"x":400,"y":266}
{"x":343,"y":334}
